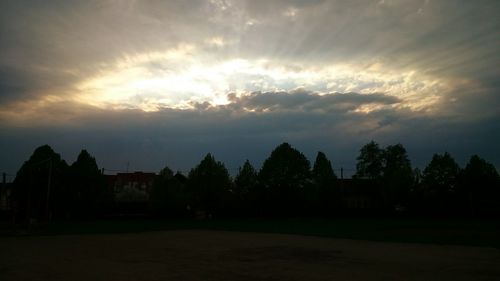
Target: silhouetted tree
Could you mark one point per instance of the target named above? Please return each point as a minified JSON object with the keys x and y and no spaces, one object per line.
{"x":245,"y":180}
{"x":180,"y":177}
{"x":39,"y":187}
{"x":284,"y":175}
{"x":439,"y":180}
{"x":209,"y":183}
{"x":87,"y":187}
{"x":322,"y":172}
{"x":246,"y":192}
{"x":167,"y":196}
{"x":370,"y":161}
{"x":441,"y":173}
{"x":479,"y":187}
{"x":397,"y":175}
{"x":323,"y":194}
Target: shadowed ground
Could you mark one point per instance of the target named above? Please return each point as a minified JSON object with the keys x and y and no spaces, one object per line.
{"x":220,"y":255}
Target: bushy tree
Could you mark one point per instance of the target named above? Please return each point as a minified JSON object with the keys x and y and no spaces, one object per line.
{"x":168,"y":195}
{"x":323,"y":195}
{"x":285,"y":168}
{"x":439,"y":181}
{"x":87,"y":186}
{"x":209,"y":184}
{"x":441,"y":173}
{"x":479,"y":187}
{"x":246,"y":192}
{"x":284,"y":175}
{"x":245,"y":180}
{"x":370,"y":161}
{"x":40,"y":186}
{"x":397,"y":175}
{"x":322,"y":172}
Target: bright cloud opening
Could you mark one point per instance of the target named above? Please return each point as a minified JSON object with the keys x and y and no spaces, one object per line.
{"x":182,"y":77}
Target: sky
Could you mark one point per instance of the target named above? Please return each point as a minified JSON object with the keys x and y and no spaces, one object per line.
{"x":145,"y":84}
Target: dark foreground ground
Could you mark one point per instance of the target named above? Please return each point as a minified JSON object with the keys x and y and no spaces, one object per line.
{"x":224,"y":255}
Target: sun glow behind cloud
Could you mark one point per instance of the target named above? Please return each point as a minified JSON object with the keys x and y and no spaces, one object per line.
{"x":183,"y":77}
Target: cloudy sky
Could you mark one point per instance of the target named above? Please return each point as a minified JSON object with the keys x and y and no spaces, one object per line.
{"x":146,"y":84}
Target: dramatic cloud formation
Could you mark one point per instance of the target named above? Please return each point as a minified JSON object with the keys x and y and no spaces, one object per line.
{"x":156,"y":82}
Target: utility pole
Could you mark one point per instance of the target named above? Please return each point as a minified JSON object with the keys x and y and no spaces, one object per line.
{"x":341,"y":173}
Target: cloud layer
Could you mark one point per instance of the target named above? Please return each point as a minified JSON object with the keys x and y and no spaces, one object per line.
{"x":328,"y":75}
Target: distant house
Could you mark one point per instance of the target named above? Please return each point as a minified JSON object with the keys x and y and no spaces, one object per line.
{"x":131,"y":187}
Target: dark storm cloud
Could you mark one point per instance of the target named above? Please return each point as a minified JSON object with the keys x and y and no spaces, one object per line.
{"x":306,"y":101}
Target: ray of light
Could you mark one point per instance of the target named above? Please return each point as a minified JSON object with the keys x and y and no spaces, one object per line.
{"x":180,"y":79}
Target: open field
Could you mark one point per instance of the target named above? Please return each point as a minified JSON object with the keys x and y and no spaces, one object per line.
{"x":484,"y":233}
{"x":223,"y":255}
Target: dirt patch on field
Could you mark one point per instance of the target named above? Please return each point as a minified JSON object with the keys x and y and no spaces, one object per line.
{"x":282,"y":253}
{"x":219,"y":255}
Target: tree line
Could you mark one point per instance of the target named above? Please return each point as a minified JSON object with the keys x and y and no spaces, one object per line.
{"x":47,"y":187}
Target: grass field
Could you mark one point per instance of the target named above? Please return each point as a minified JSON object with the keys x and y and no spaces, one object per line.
{"x":454,"y":232}
{"x":232,"y":255}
